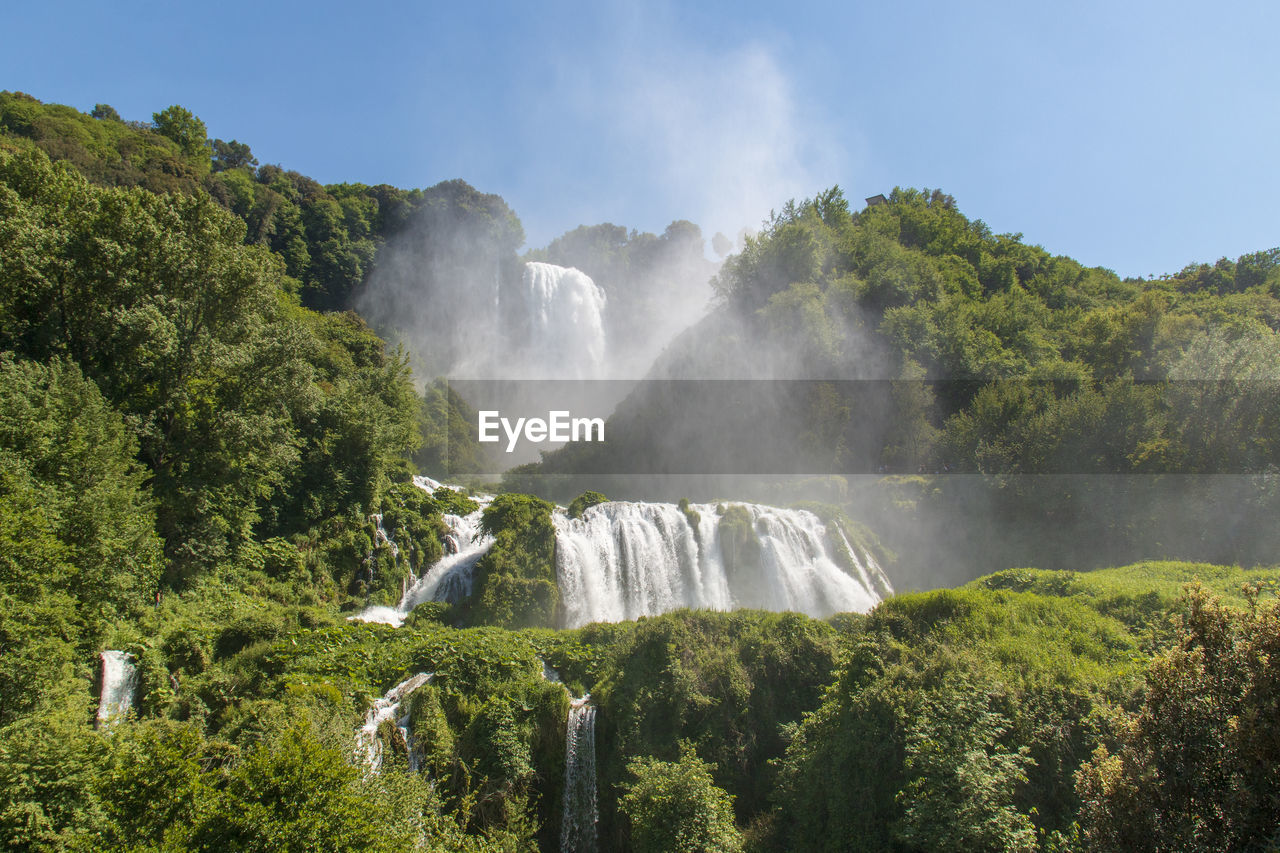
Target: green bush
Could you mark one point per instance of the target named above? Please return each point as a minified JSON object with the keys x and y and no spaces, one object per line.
{"x":584,"y":501}
{"x":675,"y":805}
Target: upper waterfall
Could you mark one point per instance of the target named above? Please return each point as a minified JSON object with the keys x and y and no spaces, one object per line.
{"x":566,"y":333}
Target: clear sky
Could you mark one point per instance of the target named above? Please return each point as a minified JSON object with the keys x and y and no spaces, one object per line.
{"x":1140,"y":136}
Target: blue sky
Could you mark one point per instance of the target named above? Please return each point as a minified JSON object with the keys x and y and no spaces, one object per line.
{"x":1138,"y":136}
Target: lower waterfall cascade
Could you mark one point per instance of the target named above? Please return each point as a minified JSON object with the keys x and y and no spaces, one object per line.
{"x":622,"y":560}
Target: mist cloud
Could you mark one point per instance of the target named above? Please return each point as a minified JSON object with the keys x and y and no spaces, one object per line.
{"x":725,"y":137}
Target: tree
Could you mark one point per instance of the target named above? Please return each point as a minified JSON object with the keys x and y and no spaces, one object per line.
{"x":1197,"y":767}
{"x":675,"y":805}
{"x":58,"y":435}
{"x":962,"y":779}
{"x":77,"y":540}
{"x":232,"y":155}
{"x":159,"y":302}
{"x":181,"y":125}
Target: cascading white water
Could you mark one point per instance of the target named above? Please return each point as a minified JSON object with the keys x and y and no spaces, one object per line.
{"x":578,"y":827}
{"x":450,"y":578}
{"x":869,"y":571}
{"x":624,"y":560}
{"x":388,"y":708}
{"x":566,"y":335}
{"x":119,"y":681}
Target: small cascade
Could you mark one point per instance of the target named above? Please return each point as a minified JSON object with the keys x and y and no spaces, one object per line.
{"x":869,"y":571}
{"x":578,"y":828}
{"x":368,"y":745}
{"x":450,"y":578}
{"x":624,"y":560}
{"x":429,"y":485}
{"x":119,"y":682}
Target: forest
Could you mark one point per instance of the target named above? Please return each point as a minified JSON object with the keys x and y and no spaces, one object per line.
{"x":213,"y":452}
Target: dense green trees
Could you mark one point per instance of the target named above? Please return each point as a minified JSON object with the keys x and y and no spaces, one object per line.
{"x":328,"y":237}
{"x":236,"y":396}
{"x":957,"y":719}
{"x":78,"y":548}
{"x":727,"y":684}
{"x":1195,"y":768}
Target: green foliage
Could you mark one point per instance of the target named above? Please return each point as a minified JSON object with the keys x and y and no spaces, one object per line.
{"x":675,"y":805}
{"x":47,"y":767}
{"x":453,"y":501}
{"x":181,"y":125}
{"x":296,"y":793}
{"x":167,"y":787}
{"x":514,"y":583}
{"x":962,"y":778}
{"x":727,"y":683}
{"x":154,"y":777}
{"x":328,"y":237}
{"x":584,"y":501}
{"x":163,"y":287}
{"x":242,"y":403}
{"x":77,"y":542}
{"x":957,"y":718}
{"x":1195,"y":767}
{"x":232,"y":155}
{"x":105,"y":149}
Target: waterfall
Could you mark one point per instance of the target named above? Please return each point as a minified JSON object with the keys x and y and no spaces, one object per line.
{"x":119,"y":681}
{"x":623,"y":560}
{"x":566,"y":334}
{"x":388,"y":708}
{"x":578,"y":828}
{"x":869,"y":571}
{"x":450,"y":578}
